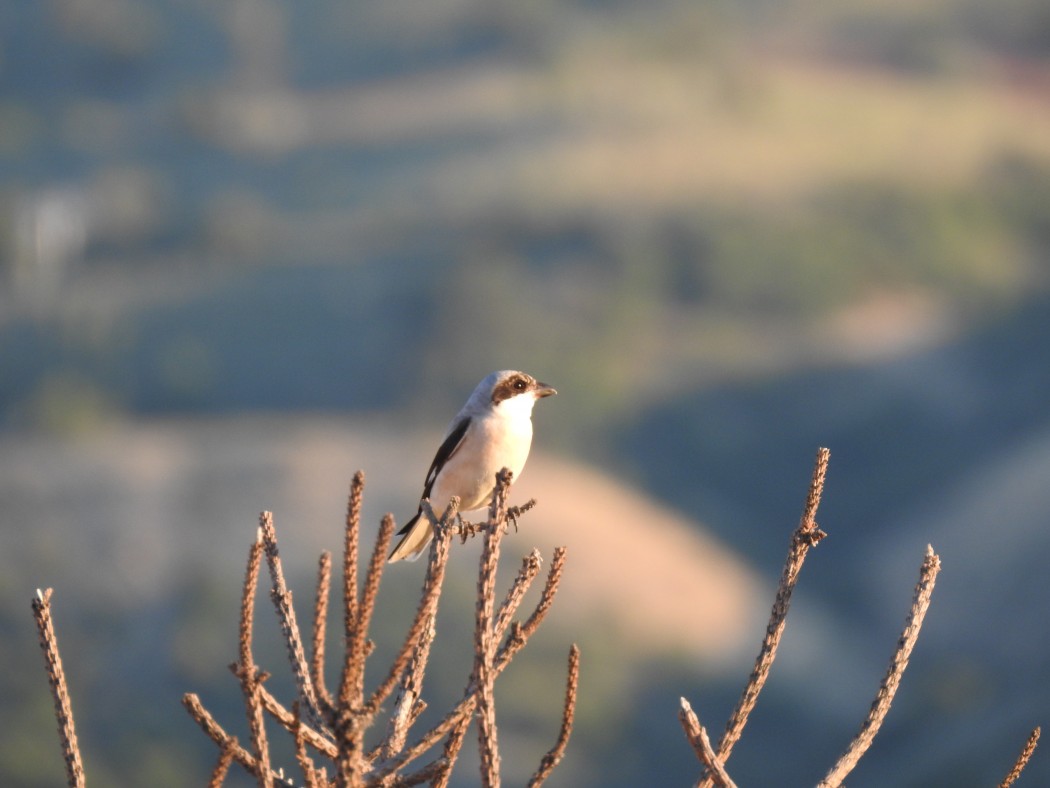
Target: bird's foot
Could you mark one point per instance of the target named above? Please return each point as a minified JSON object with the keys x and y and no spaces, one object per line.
{"x":514,"y":512}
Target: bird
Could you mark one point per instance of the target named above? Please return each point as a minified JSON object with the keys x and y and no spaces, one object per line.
{"x":492,"y":431}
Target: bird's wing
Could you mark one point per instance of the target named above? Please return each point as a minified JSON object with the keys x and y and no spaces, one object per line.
{"x":445,"y":451}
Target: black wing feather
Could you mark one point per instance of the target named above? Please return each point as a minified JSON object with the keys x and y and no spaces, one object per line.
{"x":445,"y":452}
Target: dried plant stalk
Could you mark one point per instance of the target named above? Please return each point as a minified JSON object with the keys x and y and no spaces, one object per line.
{"x":697,"y":736}
{"x":350,"y":546}
{"x":222,"y":739}
{"x":351,"y":694}
{"x":530,"y":567}
{"x":408,"y":705}
{"x":432,"y":585}
{"x":484,"y":636}
{"x":320,"y":741}
{"x":555,"y":754}
{"x":352,"y":718}
{"x":1022,"y":758}
{"x":453,"y":744}
{"x":282,"y":600}
{"x":222,"y":767}
{"x":324,"y":582}
{"x":805,"y":536}
{"x":339,"y":735}
{"x":250,"y":676}
{"x":533,"y":622}
{"x":931,"y":565}
{"x":519,"y":636}
{"x":306,"y":763}
{"x":56,"y":677}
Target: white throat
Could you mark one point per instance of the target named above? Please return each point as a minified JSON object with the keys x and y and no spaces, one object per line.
{"x":517,"y":408}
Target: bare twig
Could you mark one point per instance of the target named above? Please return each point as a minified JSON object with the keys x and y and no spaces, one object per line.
{"x":56,"y":677}
{"x":453,"y":744}
{"x":520,"y":633}
{"x":434,"y":772}
{"x":324,"y":581}
{"x":248,"y":673}
{"x":432,"y":584}
{"x":351,"y":694}
{"x":519,"y":636}
{"x":484,"y":636}
{"x":530,"y":567}
{"x":555,"y":754}
{"x":697,"y":736}
{"x":931,"y":565}
{"x":318,"y":740}
{"x":222,"y":767}
{"x":351,"y":539}
{"x":805,"y":536}
{"x":1022,"y":758}
{"x":306,"y":763}
{"x":222,"y":739}
{"x":408,"y":705}
{"x":282,"y":600}
{"x":353,"y":719}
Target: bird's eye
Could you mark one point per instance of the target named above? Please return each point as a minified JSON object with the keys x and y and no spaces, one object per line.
{"x":519,"y":385}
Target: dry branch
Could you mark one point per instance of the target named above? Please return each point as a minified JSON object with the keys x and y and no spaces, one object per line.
{"x":485,"y":636}
{"x":56,"y":677}
{"x":698,"y":737}
{"x":530,"y":567}
{"x":248,"y":673}
{"x":555,"y":754}
{"x":336,"y":737}
{"x":324,"y":582}
{"x":319,"y":741}
{"x":805,"y":536}
{"x":931,"y":565}
{"x":222,"y":768}
{"x":351,"y":537}
{"x":1022,"y":758}
{"x":224,"y":740}
{"x":282,"y":600}
{"x":408,"y":705}
{"x":519,"y":636}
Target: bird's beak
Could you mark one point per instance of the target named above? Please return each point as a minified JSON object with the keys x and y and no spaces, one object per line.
{"x":543,"y":390}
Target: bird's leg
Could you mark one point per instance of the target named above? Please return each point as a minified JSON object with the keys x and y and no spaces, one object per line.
{"x":467,"y":529}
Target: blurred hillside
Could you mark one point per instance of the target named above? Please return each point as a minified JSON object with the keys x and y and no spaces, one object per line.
{"x":213,"y":208}
{"x":727,"y":233}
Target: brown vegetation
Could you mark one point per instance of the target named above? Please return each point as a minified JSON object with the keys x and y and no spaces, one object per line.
{"x":328,"y":727}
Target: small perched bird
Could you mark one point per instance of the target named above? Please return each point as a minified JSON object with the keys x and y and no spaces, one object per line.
{"x":493,"y":431}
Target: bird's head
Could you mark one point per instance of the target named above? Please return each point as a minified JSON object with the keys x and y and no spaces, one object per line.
{"x":510,"y":384}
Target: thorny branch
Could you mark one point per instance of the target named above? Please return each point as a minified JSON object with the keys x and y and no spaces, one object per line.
{"x":931,"y":565}
{"x":59,"y":691}
{"x":282,"y":600}
{"x":555,"y":754}
{"x":698,"y":737}
{"x":250,"y":676}
{"x":485,"y":638}
{"x":805,"y":536}
{"x":1022,"y":759}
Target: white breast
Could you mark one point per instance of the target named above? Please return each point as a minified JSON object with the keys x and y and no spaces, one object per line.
{"x":501,"y":438}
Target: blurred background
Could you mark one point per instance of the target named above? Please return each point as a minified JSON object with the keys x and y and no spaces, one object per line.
{"x":248,"y":248}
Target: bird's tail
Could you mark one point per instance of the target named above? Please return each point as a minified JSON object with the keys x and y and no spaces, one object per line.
{"x":417,"y":535}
